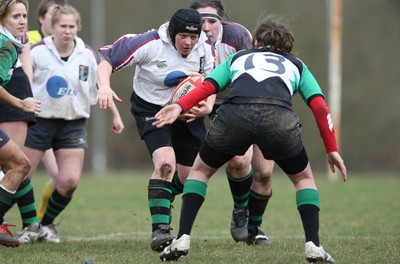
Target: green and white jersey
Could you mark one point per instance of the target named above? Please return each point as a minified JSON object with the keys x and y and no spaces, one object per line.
{"x":8,"y":58}
{"x":260,"y":76}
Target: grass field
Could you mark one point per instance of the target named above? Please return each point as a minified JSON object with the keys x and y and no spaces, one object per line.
{"x":108,"y":222}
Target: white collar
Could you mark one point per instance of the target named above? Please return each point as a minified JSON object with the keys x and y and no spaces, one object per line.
{"x":14,"y":40}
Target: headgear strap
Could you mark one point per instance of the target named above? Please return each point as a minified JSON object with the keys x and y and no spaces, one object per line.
{"x":210,"y":15}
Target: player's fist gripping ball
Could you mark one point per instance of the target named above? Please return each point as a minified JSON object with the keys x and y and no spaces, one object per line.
{"x":184,"y":87}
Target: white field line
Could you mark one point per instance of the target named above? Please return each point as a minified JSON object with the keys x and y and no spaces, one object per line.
{"x":130,"y":235}
{"x":144,"y":235}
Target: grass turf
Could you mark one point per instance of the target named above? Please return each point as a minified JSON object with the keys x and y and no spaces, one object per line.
{"x":108,"y":222}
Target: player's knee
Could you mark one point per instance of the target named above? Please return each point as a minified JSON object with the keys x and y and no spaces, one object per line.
{"x":24,"y":166}
{"x":238,"y":164}
{"x":19,"y":168}
{"x":68,"y":187}
{"x":265,"y":180}
{"x":166,"y":171}
{"x":262,"y":175}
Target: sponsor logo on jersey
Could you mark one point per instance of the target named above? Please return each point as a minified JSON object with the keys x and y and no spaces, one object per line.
{"x":44,"y":68}
{"x":161,"y":64}
{"x":83,"y":72}
{"x":57,"y":87}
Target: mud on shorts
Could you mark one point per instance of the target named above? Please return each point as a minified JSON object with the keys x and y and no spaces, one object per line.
{"x":185,"y":138}
{"x":275,"y":129}
{"x":57,"y":134}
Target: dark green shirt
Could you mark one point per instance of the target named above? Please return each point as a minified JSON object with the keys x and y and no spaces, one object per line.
{"x":8,"y":58}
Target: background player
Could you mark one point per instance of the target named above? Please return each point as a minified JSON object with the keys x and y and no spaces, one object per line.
{"x":250,"y":184}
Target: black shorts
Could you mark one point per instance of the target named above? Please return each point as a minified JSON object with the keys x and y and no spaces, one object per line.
{"x":19,"y":87}
{"x":276,"y":130}
{"x":57,"y":133}
{"x":4,"y":138}
{"x":213,"y":111}
{"x":185,"y":138}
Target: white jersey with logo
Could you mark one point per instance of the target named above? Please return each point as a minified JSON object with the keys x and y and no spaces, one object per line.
{"x":66,"y":89}
{"x":157,"y":61}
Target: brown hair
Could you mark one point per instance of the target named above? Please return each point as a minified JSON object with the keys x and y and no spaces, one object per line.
{"x":6,"y":7}
{"x":45,"y":4}
{"x":273,"y":35}
{"x":217,"y":4}
{"x":65,"y":10}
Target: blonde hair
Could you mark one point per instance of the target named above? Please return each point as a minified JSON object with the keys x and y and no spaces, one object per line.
{"x":65,"y":10}
{"x":7,"y":6}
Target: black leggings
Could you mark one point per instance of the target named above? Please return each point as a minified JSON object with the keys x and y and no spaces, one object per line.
{"x":295,"y":164}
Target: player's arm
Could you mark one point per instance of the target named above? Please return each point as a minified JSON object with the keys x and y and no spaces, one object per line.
{"x":325,"y":125}
{"x":105,"y":95}
{"x":216,"y":81}
{"x":118,"y":124}
{"x":30,"y":104}
{"x":311,"y":93}
{"x":197,"y":95}
{"x":324,"y":121}
{"x":26,"y":61}
{"x":123,"y":53}
{"x":170,"y":113}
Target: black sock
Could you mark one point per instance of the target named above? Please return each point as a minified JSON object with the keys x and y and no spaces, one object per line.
{"x":257,"y":205}
{"x":57,"y":204}
{"x":310,"y":217}
{"x":240,"y":189}
{"x":193,"y":197}
{"x":26,"y":203}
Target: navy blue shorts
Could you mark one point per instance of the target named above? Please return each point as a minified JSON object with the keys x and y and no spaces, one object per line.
{"x":185,"y":138}
{"x":57,"y":134}
{"x":19,"y":87}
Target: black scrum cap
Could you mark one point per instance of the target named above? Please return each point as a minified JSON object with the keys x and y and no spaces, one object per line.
{"x":186,"y":20}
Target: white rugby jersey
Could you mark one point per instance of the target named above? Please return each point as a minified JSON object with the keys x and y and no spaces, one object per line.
{"x":156,"y":61}
{"x":66,"y":89}
{"x":232,"y":38}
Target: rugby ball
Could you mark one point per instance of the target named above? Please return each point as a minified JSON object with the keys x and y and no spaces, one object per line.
{"x":186,"y":85}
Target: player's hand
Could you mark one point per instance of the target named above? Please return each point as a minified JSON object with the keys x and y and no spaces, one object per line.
{"x":202,"y":109}
{"x":31,"y":105}
{"x":105,"y":97}
{"x":167,"y":115}
{"x":334,"y":160}
{"x":118,"y":125}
